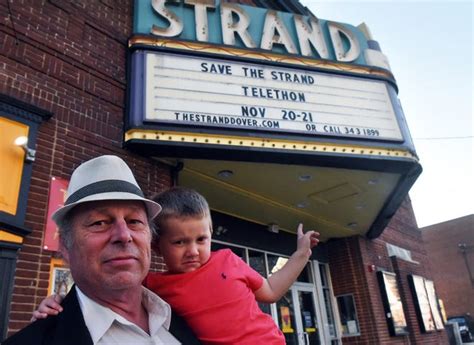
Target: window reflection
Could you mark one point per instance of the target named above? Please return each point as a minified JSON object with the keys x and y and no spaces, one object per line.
{"x":257,"y":262}
{"x":276,"y":262}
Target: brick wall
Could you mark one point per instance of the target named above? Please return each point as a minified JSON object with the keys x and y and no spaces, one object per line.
{"x":67,"y":57}
{"x":351,"y":261}
{"x":450,"y":265}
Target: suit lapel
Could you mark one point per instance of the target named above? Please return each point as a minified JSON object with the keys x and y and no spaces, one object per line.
{"x":71,"y":327}
{"x":181,"y":331}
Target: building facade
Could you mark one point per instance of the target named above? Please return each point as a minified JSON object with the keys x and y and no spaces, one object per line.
{"x":85,"y":78}
{"x":450,"y":248}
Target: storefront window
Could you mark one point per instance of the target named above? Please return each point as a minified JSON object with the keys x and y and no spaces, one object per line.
{"x":276,"y":262}
{"x":11,"y":169}
{"x":257,"y":262}
{"x":305,"y":275}
{"x":347,"y":312}
{"x":327,"y":300}
{"x":240,"y":252}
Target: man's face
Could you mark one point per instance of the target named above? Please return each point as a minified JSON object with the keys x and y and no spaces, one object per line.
{"x":184,"y":243}
{"x":111,"y":246}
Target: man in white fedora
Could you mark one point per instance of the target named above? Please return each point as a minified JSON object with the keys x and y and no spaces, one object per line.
{"x":105,"y":235}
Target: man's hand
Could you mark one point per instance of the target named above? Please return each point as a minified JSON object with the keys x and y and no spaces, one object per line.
{"x":49,"y":306}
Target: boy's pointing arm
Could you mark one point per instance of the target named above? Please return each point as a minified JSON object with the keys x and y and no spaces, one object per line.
{"x":278,"y":283}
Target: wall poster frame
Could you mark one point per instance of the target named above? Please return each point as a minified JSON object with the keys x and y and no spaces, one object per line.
{"x":434,"y":304}
{"x":426,"y":305}
{"x":60,"y":278}
{"x":393,"y":306}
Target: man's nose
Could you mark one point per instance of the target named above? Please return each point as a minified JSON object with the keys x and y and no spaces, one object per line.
{"x":121,"y":232}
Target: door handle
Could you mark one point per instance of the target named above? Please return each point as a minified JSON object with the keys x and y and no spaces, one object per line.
{"x":306,"y":338}
{"x":302,"y":339}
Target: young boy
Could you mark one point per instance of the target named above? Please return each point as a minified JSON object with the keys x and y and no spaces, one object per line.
{"x":215,"y":292}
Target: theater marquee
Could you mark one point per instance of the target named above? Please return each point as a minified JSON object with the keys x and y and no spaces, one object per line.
{"x":275,"y":117}
{"x":199,"y":91}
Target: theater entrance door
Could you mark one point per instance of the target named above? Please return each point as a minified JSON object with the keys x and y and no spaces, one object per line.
{"x":297,"y":315}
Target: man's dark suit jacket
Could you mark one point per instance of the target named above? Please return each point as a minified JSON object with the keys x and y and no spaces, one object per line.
{"x":69,"y":328}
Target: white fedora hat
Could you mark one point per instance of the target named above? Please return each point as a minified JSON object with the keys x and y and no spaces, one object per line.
{"x":103,"y":178}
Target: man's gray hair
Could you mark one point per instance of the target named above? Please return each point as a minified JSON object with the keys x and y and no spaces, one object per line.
{"x":66,"y":236}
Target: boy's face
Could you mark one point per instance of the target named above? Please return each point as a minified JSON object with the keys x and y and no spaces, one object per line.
{"x":184,"y":243}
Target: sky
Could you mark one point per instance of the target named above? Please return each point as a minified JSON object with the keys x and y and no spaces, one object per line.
{"x":429,"y":45}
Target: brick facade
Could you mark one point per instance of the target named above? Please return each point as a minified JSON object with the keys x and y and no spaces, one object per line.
{"x":351,"y":260}
{"x":453,"y":265}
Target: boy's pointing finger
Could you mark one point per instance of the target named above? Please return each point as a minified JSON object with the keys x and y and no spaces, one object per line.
{"x":299,"y":231}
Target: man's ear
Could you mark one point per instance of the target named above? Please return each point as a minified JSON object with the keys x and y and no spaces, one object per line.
{"x":64,"y":252}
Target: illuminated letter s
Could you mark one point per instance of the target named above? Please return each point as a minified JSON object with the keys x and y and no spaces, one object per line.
{"x":176,"y":25}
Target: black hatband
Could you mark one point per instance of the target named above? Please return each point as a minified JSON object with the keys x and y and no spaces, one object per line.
{"x":106,"y":186}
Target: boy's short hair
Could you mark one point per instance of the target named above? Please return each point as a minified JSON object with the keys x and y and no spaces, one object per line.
{"x":181,"y":202}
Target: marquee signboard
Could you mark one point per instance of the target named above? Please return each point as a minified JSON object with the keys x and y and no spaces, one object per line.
{"x":235,"y":25}
{"x":201,"y":91}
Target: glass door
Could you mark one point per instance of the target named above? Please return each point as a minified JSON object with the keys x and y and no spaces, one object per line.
{"x":297,"y":316}
{"x":286,"y":318}
{"x":308,"y":323}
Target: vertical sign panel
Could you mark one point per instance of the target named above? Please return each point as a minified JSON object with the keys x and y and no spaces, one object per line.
{"x":393,"y":305}
{"x":426,"y":303}
{"x":57,"y":192}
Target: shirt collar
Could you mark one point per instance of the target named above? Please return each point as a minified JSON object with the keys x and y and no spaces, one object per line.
{"x":99,"y":319}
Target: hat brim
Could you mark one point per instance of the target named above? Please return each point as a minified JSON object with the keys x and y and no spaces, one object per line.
{"x":152,"y":208}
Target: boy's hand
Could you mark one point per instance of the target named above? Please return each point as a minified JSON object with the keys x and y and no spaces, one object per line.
{"x":49,"y":306}
{"x":276,"y":285}
{"x":306,"y":241}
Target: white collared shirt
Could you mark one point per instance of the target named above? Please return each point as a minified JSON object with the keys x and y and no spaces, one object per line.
{"x":109,"y":328}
